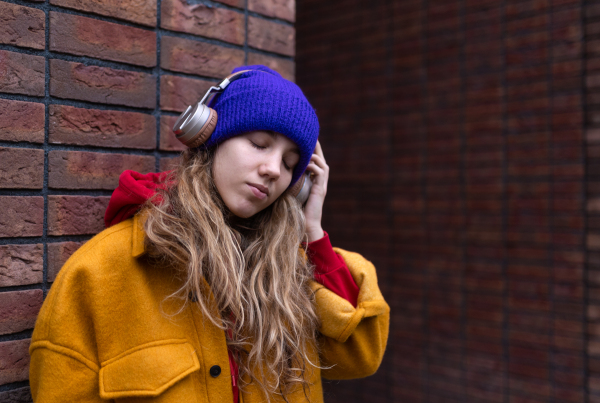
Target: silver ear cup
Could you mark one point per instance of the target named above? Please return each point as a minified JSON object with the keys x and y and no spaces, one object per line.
{"x":304,"y":192}
{"x":190,"y":122}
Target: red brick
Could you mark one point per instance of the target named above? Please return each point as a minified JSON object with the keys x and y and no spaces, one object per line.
{"x":22,"y":26}
{"x":21,"y":264}
{"x":89,"y":170}
{"x":103,"y":128}
{"x":565,"y":50}
{"x":21,"y":168}
{"x":527,"y":54}
{"x":100,"y":39}
{"x":168,"y":163}
{"x":12,"y":125}
{"x":177,"y":93}
{"x":21,"y":73}
{"x":101,"y":84}
{"x":592,"y":10}
{"x":568,"y":68}
{"x":21,"y":216}
{"x":593,"y":348}
{"x":199,"y":19}
{"x":593,"y":241}
{"x":566,"y":17}
{"x":569,"y":171}
{"x":271,"y":36}
{"x":536,"y":22}
{"x":168,"y":141}
{"x":594,"y":385}
{"x":58,"y":253}
{"x":286,"y":68}
{"x":140,"y":11}
{"x":76,"y":215}
{"x":592,"y":81}
{"x":286,"y":9}
{"x":20,"y":395}
{"x":14,"y":361}
{"x":575,"y":395}
{"x":200,"y":58}
{"x":593,"y":205}
{"x":569,"y":343}
{"x":19,"y":309}
{"x":592,"y":29}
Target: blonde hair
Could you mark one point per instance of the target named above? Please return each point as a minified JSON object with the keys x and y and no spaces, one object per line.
{"x":254,"y":268}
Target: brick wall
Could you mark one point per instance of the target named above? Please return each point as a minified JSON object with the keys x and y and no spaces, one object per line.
{"x":463,"y":139}
{"x":87,"y":90}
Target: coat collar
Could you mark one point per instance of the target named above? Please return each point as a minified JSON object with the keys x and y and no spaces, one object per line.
{"x":138,"y":246}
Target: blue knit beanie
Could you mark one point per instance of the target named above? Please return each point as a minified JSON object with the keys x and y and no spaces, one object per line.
{"x":266,"y":101}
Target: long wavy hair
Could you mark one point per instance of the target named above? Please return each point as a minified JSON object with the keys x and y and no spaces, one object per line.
{"x":253,"y":268}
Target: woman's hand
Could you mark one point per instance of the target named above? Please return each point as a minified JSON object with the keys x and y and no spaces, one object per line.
{"x":313,"y":210}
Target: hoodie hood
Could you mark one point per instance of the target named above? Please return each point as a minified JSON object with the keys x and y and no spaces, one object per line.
{"x":133,"y":191}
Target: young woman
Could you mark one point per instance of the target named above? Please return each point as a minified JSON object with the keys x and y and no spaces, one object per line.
{"x":203,"y":287}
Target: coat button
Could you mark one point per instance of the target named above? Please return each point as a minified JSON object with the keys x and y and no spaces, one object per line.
{"x":215,"y":371}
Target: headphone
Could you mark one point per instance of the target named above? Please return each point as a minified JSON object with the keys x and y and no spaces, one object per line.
{"x":195,"y":126}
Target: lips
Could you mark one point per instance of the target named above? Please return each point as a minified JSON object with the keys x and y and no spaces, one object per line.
{"x":259,"y":190}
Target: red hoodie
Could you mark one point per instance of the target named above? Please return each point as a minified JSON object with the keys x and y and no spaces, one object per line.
{"x":330,"y":270}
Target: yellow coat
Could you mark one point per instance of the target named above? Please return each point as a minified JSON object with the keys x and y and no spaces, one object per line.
{"x":107,"y":332}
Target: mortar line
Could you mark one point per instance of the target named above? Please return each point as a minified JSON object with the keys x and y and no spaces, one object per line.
{"x":463,"y":197}
{"x":158,"y":73}
{"x":46,"y":149}
{"x":586,"y":296}
{"x":246,"y":32}
{"x":504,"y":268}
{"x":425,"y":387}
{"x":550,"y":247}
{"x":389,"y":113}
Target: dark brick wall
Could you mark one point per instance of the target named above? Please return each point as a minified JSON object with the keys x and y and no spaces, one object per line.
{"x":462,"y":139}
{"x":87,"y":90}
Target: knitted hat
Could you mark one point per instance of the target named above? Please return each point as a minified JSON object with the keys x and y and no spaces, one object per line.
{"x":266,"y":101}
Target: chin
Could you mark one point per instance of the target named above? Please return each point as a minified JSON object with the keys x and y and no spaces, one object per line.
{"x":243,"y":214}
{"x":243,"y":211}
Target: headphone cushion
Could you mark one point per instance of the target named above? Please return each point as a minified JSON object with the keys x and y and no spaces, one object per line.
{"x":295,"y":189}
{"x":206,"y":130}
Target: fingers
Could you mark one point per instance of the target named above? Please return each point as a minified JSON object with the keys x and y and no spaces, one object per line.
{"x":319,"y":167}
{"x":319,"y":150}
{"x":315,"y":169}
{"x":319,"y":160}
{"x":320,"y":171}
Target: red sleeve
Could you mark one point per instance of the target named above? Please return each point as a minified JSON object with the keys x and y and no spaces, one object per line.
{"x":331,"y":270}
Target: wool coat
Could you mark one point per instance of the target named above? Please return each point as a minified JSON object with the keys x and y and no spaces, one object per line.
{"x":108,"y":332}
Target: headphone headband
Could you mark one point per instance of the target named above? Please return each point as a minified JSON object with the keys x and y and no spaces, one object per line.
{"x":223,"y":84}
{"x":194,"y":126}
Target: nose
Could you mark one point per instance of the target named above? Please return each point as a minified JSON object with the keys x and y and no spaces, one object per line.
{"x":271,"y":167}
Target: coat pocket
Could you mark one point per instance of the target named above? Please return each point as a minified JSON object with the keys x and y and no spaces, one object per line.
{"x":147,"y":370}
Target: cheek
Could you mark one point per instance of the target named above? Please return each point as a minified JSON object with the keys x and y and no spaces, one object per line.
{"x":220,"y":173}
{"x":283,"y":185}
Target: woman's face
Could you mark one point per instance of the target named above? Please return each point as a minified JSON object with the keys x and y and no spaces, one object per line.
{"x":252,"y":170}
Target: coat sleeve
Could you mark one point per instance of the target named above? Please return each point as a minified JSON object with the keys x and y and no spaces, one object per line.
{"x":352,"y":340}
{"x":57,"y":374}
{"x":64,"y":365}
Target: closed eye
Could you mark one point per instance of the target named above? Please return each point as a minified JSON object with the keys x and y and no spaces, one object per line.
{"x":259,"y":147}
{"x":256,"y":145}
